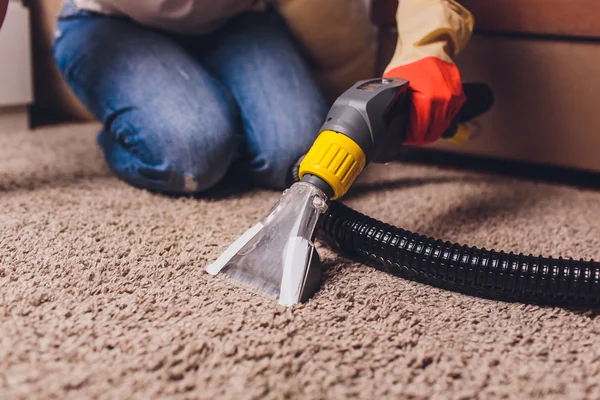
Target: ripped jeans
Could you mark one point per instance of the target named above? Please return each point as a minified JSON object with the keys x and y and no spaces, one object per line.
{"x":179,"y":111}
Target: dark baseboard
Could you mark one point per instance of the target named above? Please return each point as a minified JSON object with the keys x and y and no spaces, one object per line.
{"x":514,"y":169}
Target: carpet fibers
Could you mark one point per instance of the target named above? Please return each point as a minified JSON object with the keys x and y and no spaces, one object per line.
{"x":103,"y":292}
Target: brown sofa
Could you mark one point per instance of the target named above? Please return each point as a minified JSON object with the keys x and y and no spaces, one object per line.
{"x":542,"y":59}
{"x":54,"y":101}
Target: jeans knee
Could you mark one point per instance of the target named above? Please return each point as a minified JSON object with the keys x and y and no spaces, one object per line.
{"x":272,"y":169}
{"x":184,"y":156}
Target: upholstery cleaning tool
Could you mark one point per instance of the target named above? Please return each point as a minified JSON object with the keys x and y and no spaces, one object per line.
{"x":277,"y":255}
{"x":366,"y":124}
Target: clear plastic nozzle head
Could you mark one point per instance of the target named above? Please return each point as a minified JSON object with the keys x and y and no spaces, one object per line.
{"x":277,"y":255}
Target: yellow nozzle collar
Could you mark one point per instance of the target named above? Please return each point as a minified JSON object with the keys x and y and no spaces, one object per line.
{"x":336,"y":159}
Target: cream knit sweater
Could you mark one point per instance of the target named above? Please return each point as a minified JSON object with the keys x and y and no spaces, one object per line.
{"x":179,"y":16}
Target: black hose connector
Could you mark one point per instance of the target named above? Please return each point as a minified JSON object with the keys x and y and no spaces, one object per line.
{"x":469,"y":270}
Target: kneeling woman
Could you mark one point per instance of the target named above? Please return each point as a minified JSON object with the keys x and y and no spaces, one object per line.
{"x":188,"y":90}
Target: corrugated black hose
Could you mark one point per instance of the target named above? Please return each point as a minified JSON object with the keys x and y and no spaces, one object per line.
{"x":480,"y":272}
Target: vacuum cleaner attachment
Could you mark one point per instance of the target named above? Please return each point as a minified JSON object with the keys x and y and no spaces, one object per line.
{"x":277,"y":255}
{"x":365,"y":124}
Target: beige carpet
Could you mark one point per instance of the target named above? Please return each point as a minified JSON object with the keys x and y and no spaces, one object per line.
{"x":103,"y":293}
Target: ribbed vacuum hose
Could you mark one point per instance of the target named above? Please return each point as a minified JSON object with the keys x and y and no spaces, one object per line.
{"x":481,"y":272}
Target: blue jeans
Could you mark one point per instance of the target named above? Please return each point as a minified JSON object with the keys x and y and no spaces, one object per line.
{"x":179,"y":111}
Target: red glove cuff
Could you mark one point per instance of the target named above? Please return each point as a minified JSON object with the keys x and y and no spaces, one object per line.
{"x":436,"y":95}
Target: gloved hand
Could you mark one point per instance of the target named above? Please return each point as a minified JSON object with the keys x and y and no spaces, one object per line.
{"x":436,"y":96}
